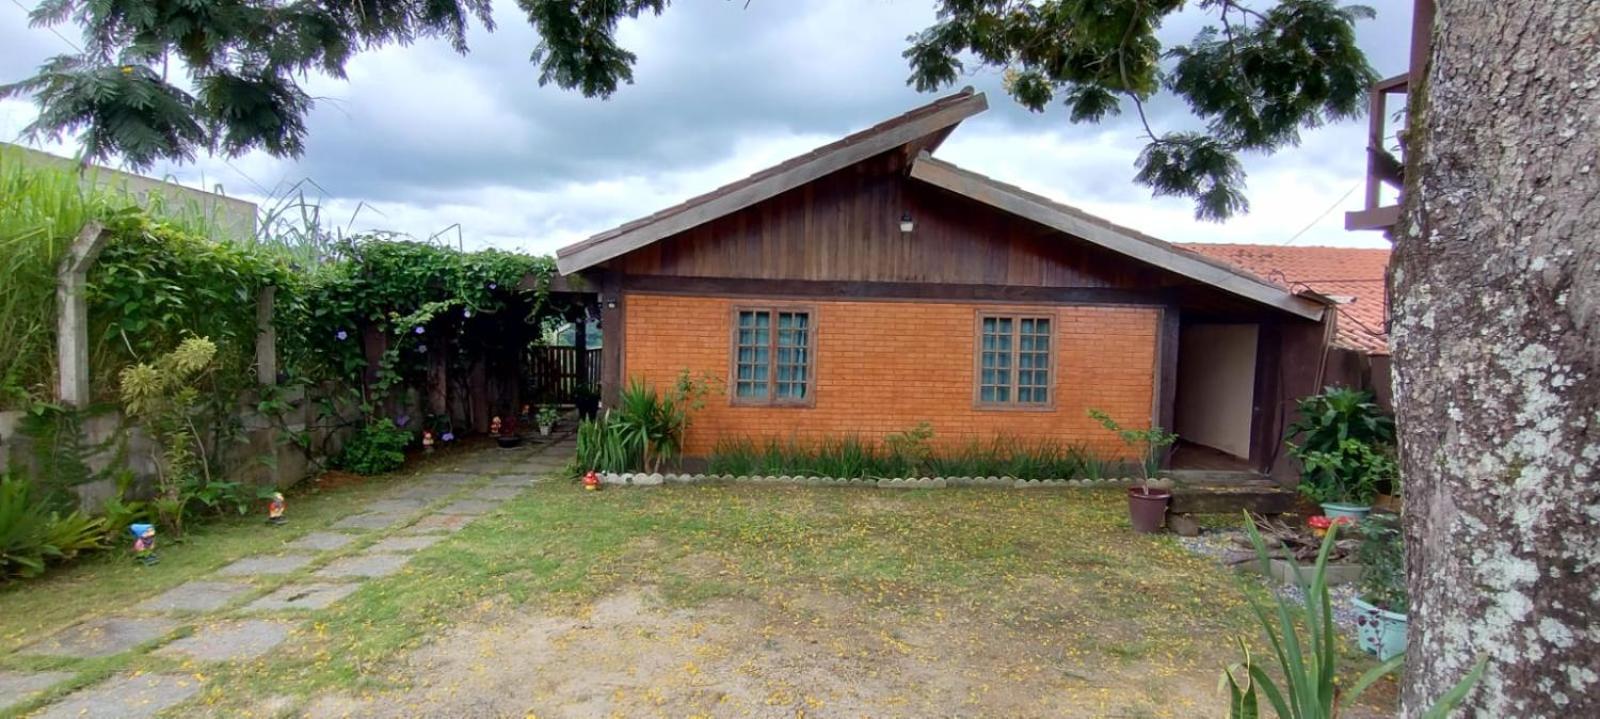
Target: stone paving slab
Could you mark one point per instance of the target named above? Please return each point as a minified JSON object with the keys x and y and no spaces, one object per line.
{"x":400,"y":544}
{"x":101,"y":637}
{"x":495,"y":493}
{"x":439,"y":523}
{"x":364,"y":565}
{"x":513,"y":480}
{"x":230,"y":641}
{"x":195,"y":596}
{"x":397,"y":505}
{"x":311,"y":595}
{"x":426,"y":491}
{"x":371,"y":520}
{"x":469,"y":507}
{"x":17,"y":687}
{"x":124,"y":697}
{"x":321,"y":541}
{"x":451,"y":477}
{"x":266,"y":564}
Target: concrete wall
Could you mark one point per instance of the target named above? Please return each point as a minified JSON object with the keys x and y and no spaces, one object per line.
{"x":234,"y":215}
{"x":266,"y":456}
{"x":1216,"y":385}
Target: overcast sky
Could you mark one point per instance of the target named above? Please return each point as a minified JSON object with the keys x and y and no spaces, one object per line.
{"x":419,"y":139}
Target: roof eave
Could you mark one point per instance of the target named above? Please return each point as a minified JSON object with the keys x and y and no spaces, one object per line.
{"x":1120,"y":240}
{"x":609,"y":245}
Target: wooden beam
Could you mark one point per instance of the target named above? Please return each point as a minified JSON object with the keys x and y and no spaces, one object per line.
{"x":612,"y":317}
{"x":893,"y":291}
{"x":1117,"y":239}
{"x":1165,"y":396}
{"x":596,"y":250}
{"x":1378,"y":218}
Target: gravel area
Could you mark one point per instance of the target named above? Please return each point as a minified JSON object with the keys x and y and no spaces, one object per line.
{"x":1220,"y":545}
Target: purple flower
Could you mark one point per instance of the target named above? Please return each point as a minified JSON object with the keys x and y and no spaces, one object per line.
{"x":494,"y":286}
{"x":402,"y":420}
{"x":422,"y":348}
{"x":448,"y":436}
{"x":341,"y":335}
{"x":466,"y":313}
{"x":418,"y":329}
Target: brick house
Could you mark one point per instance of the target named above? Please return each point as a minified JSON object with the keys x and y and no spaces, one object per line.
{"x":866,"y":286}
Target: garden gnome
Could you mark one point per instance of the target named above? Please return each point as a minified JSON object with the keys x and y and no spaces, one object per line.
{"x":275,"y":510}
{"x":427,"y":441}
{"x":144,"y":543}
{"x":591,"y":481}
{"x":525,"y":416}
{"x":494,"y":426}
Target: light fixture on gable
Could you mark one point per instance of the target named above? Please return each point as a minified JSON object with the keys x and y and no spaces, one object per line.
{"x":906,"y":225}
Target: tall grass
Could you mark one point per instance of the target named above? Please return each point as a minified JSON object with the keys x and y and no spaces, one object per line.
{"x":851,"y":457}
{"x":43,"y":206}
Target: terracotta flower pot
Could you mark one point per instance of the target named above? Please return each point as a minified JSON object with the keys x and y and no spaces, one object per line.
{"x":1147,"y":508}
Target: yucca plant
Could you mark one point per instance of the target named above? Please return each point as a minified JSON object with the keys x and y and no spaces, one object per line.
{"x":1309,"y":663}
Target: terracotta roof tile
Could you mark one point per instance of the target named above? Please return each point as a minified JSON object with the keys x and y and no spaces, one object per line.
{"x":1354,"y":276}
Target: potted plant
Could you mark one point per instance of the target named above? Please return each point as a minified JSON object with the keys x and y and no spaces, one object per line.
{"x":547,"y":420}
{"x":505,"y":434}
{"x":1345,"y":480}
{"x":1147,"y":505}
{"x":587,"y":399}
{"x":1334,"y":437}
{"x":1382,"y":603}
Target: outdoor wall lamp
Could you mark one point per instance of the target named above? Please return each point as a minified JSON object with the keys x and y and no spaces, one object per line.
{"x":906,"y":225}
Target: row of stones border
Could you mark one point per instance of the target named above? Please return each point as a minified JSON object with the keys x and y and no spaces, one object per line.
{"x":652,"y":479}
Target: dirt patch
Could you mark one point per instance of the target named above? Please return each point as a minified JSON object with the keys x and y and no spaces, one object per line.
{"x":793,"y":652}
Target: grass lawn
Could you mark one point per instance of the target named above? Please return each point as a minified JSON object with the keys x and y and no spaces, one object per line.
{"x":712,"y":600}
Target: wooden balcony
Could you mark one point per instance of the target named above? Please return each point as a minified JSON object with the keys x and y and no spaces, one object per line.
{"x":1382,"y":166}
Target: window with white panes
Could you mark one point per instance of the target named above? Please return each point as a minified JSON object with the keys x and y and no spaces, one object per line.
{"x":773,"y":355}
{"x":1014,"y":360}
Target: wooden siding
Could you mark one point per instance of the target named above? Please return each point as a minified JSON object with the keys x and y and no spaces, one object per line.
{"x":845,"y":227}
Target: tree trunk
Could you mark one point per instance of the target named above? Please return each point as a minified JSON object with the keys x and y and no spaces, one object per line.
{"x":1496,"y":288}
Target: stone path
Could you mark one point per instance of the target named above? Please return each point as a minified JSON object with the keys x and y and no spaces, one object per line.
{"x":312,"y":572}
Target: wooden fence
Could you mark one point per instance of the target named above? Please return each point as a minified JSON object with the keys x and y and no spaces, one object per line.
{"x":554,"y":374}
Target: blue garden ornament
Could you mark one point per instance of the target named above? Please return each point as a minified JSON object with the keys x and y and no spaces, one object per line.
{"x":144,"y":543}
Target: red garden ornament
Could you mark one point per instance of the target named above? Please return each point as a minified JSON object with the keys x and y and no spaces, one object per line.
{"x":1320,"y":524}
{"x":591,"y":481}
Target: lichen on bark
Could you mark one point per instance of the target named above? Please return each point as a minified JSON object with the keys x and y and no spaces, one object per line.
{"x":1496,"y":335}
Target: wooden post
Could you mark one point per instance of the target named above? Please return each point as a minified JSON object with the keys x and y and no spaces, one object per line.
{"x":580,"y":346}
{"x":611,"y":319}
{"x":438,"y":383}
{"x":72,"y":316}
{"x":1166,"y":393}
{"x":266,"y":338}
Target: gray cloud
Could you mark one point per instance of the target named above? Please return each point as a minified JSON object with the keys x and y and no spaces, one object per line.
{"x":430,"y":138}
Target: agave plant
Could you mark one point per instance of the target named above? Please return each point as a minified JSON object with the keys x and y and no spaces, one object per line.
{"x":1308,"y":690}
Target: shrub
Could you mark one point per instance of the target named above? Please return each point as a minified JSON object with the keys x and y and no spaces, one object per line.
{"x":1350,"y":473}
{"x":1308,"y":667}
{"x":1383,"y":563}
{"x":656,"y":422}
{"x":603,"y":446}
{"x":1344,"y":443}
{"x":902,"y":454}
{"x":31,"y":536}
{"x":1151,"y":443}
{"x":162,"y":397}
{"x":377,"y":448}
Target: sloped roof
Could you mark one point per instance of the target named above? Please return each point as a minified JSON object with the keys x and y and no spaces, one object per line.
{"x":1354,"y":277}
{"x":1129,"y":242}
{"x":931,"y":121}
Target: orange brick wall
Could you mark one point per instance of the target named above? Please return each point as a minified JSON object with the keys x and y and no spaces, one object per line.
{"x":884,"y":366}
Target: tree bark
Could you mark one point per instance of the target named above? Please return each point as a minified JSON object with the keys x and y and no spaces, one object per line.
{"x":1496,"y":335}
